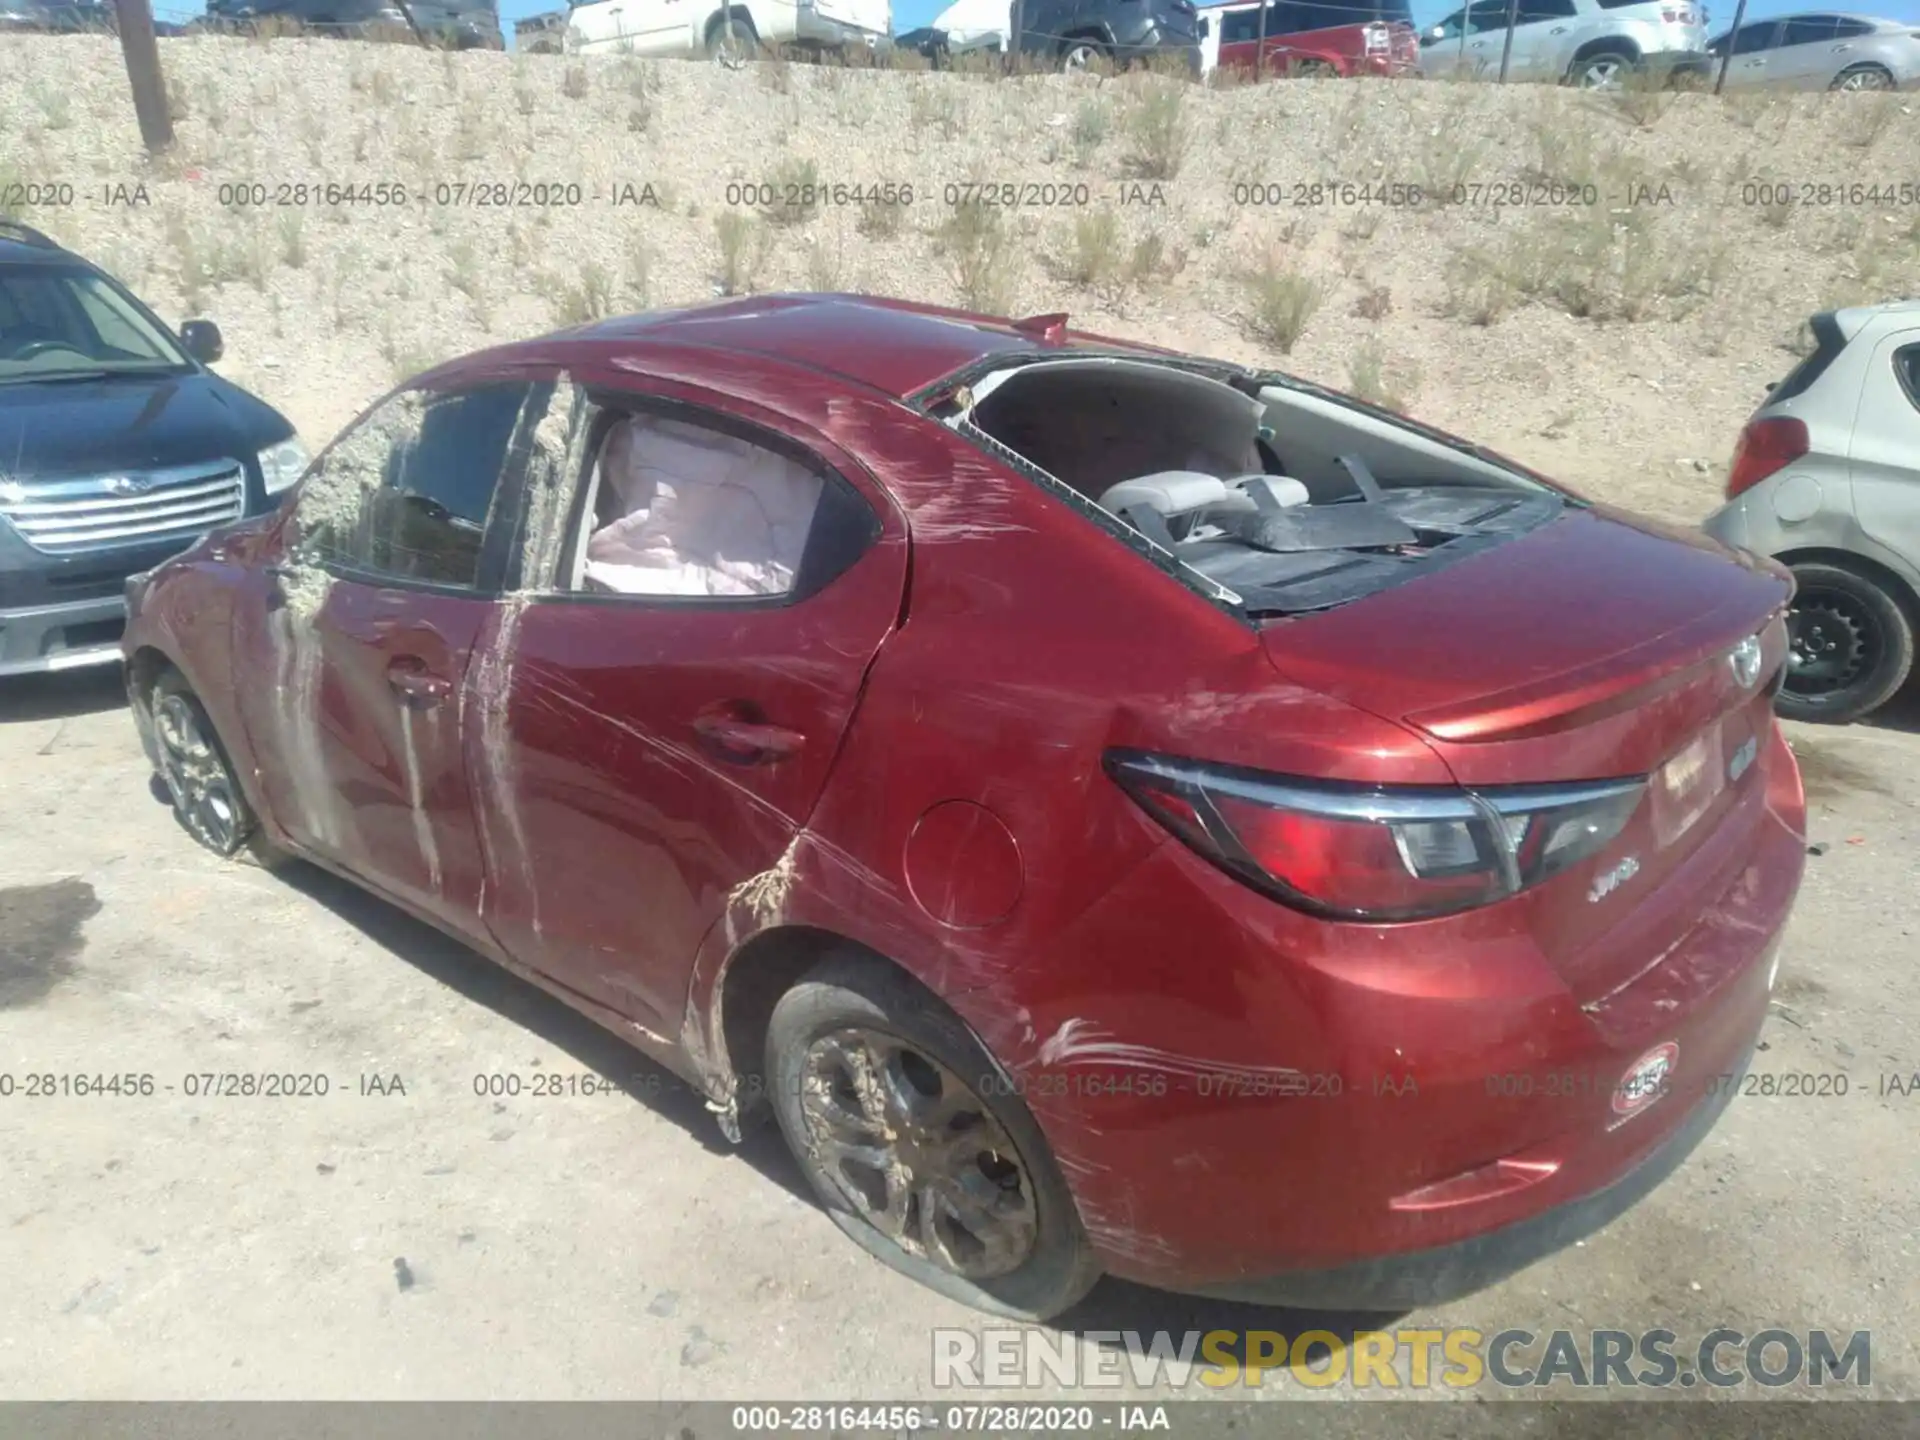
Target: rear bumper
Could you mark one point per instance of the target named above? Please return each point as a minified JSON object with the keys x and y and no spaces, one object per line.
{"x":61,"y":637}
{"x":1153,"y":50}
{"x":1679,"y":62}
{"x":1381,"y":1114}
{"x":1419,"y":1278}
{"x":813,"y":28}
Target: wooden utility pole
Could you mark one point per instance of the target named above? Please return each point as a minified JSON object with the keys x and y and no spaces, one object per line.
{"x":1506,"y":48}
{"x":406,"y":13}
{"x":1739,"y":14}
{"x":143,"y":72}
{"x":1017,"y":25}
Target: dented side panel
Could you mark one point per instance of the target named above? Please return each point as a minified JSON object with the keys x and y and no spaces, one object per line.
{"x":616,"y":832}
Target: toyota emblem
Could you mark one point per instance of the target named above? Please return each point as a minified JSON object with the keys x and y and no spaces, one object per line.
{"x":126,"y":484}
{"x":1647,"y":1080}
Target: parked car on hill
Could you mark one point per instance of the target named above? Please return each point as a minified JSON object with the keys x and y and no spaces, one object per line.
{"x":1310,"y":38}
{"x":1073,"y":35}
{"x":118,"y":449}
{"x":542,"y":34}
{"x":1595,"y":44}
{"x":57,"y":17}
{"x":676,"y":28}
{"x":1826,"y":51}
{"x":1826,"y":479}
{"x":1057,"y":776}
{"x":455,"y":24}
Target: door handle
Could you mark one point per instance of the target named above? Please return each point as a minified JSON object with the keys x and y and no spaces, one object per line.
{"x":410,"y":680}
{"x":745,"y":742}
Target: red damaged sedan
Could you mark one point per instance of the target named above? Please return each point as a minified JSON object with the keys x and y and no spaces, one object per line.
{"x":1119,"y":812}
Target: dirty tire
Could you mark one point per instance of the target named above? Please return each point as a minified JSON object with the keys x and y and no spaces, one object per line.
{"x":1853,"y":642}
{"x":200,"y":779}
{"x":1039,"y":1261}
{"x":1863,"y":78}
{"x":1081,"y":54}
{"x":745,"y":45}
{"x":1607,"y":70}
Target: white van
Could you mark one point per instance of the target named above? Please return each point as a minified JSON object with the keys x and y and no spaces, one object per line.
{"x":698,"y":27}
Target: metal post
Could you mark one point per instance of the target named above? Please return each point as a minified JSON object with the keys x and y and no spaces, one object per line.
{"x":1506,"y":49}
{"x":1739,"y":14}
{"x":143,"y":73}
{"x":1260,"y":46}
{"x":1016,"y":31}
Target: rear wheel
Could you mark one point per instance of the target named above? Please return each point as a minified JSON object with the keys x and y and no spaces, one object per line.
{"x":1080,"y":54}
{"x":890,"y":1105}
{"x":201,"y":784}
{"x":1863,"y":77}
{"x":1313,"y":70}
{"x":735,"y":49}
{"x":1606,"y":70}
{"x":1850,"y":646}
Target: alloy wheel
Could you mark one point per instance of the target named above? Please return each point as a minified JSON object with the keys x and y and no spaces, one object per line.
{"x":1079,"y":59}
{"x":1832,"y":642}
{"x":196,"y":777}
{"x":917,"y":1153}
{"x":1860,"y":80}
{"x":1604,"y":74}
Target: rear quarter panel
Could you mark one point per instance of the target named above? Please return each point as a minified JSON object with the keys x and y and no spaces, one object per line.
{"x":1032,"y":642}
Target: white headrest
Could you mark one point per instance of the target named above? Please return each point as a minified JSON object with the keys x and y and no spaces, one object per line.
{"x":1171,"y":492}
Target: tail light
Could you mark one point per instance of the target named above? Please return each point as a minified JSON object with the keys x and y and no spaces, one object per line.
{"x":1376,"y":38}
{"x":1356,"y":852}
{"x":1765,"y":446}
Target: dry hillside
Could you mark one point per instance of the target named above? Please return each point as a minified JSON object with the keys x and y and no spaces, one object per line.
{"x":1617,"y":343}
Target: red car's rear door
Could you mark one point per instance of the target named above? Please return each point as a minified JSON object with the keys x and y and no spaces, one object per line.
{"x":354,"y":643}
{"x":640,"y":757}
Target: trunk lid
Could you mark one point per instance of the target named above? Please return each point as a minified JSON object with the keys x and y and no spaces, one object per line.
{"x":1591,"y":648}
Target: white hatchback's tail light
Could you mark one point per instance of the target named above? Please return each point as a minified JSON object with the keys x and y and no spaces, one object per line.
{"x":1357,"y":852}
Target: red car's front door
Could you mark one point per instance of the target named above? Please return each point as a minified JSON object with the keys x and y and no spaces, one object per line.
{"x":358,"y":639}
{"x":640,"y":756}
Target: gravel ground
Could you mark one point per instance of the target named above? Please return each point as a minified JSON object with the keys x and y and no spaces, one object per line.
{"x":326,"y":305}
{"x":439,"y":1244}
{"x":419,"y":1240}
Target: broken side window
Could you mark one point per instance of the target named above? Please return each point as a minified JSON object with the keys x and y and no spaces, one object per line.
{"x":407,"y":493}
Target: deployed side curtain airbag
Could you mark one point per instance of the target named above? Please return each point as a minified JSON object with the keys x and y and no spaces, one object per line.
{"x":695,"y":512}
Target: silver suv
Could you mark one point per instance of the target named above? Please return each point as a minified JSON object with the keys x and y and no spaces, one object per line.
{"x":1826,"y":479}
{"x":1595,"y":44}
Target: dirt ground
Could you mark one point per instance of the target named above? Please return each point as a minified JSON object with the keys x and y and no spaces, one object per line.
{"x":406,"y":1237}
{"x":440,"y":1244}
